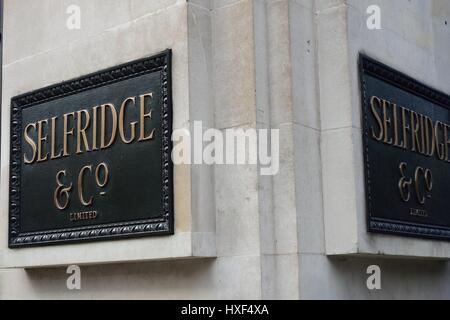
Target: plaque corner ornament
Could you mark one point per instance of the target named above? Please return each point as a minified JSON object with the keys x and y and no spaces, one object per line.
{"x":160,"y":224}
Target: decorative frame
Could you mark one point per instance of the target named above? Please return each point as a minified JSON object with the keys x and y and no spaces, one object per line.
{"x":160,"y":226}
{"x":385,"y":73}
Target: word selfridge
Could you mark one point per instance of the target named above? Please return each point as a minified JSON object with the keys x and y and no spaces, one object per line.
{"x":404,"y":128}
{"x":93,"y":129}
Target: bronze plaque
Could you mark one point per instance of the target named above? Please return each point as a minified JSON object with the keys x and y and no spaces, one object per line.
{"x":406,"y":128}
{"x":90,"y":157}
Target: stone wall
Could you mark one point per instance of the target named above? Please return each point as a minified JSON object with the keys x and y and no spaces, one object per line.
{"x":284,"y":64}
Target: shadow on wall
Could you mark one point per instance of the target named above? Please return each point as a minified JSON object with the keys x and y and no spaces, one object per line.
{"x":151,"y":280}
{"x":400,"y":279}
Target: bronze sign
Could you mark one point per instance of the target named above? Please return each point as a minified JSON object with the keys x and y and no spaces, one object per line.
{"x":90,"y":157}
{"x":406,"y":134}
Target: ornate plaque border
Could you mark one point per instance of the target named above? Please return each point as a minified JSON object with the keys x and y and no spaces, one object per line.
{"x":160,"y":62}
{"x":381,"y":71}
